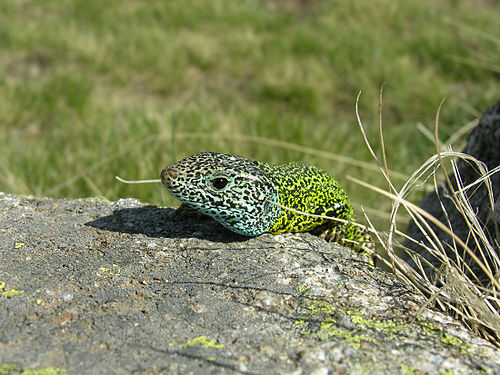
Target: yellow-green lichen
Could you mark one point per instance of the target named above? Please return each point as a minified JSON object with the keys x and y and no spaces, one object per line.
{"x":318,"y":307}
{"x":407,"y":370}
{"x":321,"y":307}
{"x":328,"y":326}
{"x":203,"y":341}
{"x":18,"y":245}
{"x":431,"y":330}
{"x":447,"y":372}
{"x":451,"y":340}
{"x":330,"y":330}
{"x":455,"y":341}
{"x":10,"y":292}
{"x":10,"y":369}
{"x":113,"y":271}
{"x":6,"y":369}
{"x":300,"y":322}
{"x":304,"y":288}
{"x":427,"y":327}
{"x":328,"y":314}
{"x":387,"y":326}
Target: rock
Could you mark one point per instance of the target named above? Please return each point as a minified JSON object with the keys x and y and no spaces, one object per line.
{"x":94,"y":287}
{"x":483,"y":144}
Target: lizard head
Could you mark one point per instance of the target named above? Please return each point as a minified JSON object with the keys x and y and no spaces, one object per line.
{"x":229,"y":188}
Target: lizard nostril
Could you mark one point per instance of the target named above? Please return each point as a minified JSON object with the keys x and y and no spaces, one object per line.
{"x":167,"y":175}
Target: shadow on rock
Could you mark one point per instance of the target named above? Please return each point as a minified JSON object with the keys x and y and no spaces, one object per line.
{"x":164,"y":222}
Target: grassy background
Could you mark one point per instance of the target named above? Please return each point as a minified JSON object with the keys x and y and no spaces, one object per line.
{"x":91,"y":89}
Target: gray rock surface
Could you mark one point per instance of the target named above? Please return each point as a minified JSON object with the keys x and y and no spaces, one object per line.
{"x":484,"y":144}
{"x":93,"y":287}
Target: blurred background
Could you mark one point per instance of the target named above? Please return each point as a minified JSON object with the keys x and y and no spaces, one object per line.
{"x":92,"y":89}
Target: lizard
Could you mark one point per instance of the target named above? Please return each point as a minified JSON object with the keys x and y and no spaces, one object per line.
{"x":249,"y":197}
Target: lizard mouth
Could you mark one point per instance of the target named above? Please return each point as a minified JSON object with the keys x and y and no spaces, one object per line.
{"x":167,"y":176}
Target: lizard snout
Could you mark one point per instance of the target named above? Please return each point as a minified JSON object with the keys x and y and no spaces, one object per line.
{"x":168,"y":174}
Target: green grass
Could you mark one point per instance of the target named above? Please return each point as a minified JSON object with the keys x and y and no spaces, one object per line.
{"x":92,"y":89}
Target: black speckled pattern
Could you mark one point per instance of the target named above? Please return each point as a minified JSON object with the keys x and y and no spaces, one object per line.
{"x":235,"y":191}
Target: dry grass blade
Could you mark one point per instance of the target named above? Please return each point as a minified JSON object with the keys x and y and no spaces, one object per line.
{"x":463,"y":277}
{"x":336,"y":219}
{"x":462,"y":131}
{"x":472,"y":30}
{"x":156,"y":180}
{"x":194,"y":135}
{"x":486,"y":61}
{"x":12,"y":180}
{"x":288,"y":146}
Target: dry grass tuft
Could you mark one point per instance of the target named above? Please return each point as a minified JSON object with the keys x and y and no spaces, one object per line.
{"x":467,"y":283}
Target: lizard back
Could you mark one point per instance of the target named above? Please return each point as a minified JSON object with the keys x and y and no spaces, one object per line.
{"x":308,"y":189}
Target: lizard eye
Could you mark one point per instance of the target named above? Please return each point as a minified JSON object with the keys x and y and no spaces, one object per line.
{"x":219,"y":183}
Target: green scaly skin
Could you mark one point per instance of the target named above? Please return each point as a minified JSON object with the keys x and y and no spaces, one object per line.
{"x":238,"y":193}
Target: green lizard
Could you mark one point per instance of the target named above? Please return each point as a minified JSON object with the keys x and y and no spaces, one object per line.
{"x":239,"y":194}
